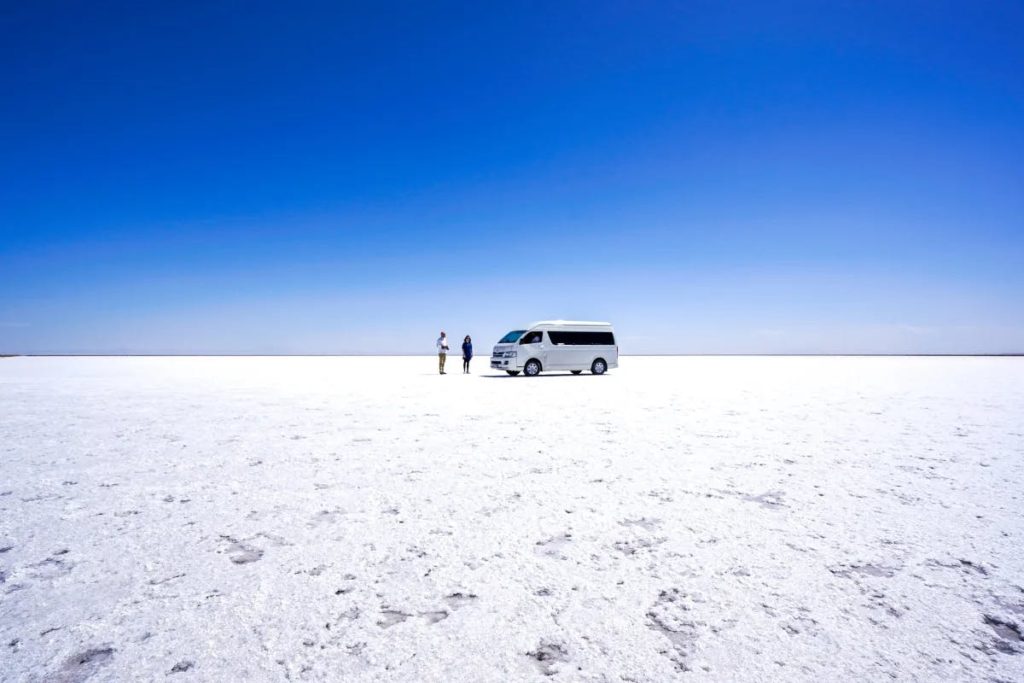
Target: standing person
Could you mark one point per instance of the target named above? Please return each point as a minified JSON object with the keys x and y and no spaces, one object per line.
{"x":467,"y":353}
{"x":442,"y":352}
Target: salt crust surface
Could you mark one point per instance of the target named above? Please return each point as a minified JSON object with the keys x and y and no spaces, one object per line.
{"x":364,"y":519}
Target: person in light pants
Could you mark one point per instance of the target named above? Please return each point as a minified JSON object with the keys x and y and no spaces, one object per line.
{"x":442,"y":352}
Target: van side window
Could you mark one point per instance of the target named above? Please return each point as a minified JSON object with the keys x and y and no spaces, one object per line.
{"x":582,"y":338}
{"x":532,"y":338}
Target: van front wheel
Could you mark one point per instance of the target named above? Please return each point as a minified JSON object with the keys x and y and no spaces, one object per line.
{"x":598,"y":366}
{"x":512,"y":372}
{"x":532,"y":368}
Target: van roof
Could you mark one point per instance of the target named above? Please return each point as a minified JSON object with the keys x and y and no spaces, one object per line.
{"x":569,"y":323}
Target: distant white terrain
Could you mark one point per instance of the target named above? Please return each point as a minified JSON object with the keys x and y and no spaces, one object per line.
{"x":365,"y":519}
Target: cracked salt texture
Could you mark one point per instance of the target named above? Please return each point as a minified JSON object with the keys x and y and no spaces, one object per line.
{"x":364,"y":519}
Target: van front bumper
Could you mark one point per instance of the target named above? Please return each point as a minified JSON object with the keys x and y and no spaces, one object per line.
{"x":503,"y":363}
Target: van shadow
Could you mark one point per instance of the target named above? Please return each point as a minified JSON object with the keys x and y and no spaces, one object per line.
{"x":541,"y":376}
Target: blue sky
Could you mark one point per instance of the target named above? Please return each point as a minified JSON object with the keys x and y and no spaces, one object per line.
{"x":230,"y":177}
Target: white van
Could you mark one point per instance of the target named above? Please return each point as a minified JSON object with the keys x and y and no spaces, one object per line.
{"x":557,"y":345}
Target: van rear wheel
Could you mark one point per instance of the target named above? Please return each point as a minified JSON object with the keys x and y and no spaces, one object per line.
{"x":575,"y":372}
{"x":532,"y":368}
{"x":512,"y":372}
{"x":598,"y":366}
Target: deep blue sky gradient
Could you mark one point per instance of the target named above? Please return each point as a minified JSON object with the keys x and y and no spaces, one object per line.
{"x":240,"y":177}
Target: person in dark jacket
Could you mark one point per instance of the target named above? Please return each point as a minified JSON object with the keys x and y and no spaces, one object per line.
{"x":467,"y":353}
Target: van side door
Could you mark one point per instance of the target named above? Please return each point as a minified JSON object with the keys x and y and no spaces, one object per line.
{"x":563,"y":354}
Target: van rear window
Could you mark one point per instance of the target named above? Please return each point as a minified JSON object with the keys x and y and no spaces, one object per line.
{"x":582,"y":338}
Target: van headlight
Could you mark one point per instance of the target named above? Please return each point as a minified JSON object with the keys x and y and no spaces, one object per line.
{"x":510,"y":354}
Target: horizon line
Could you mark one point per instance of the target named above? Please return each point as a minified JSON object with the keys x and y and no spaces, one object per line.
{"x":427,"y":355}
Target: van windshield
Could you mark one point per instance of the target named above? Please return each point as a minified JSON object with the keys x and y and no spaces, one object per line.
{"x":512,"y":337}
